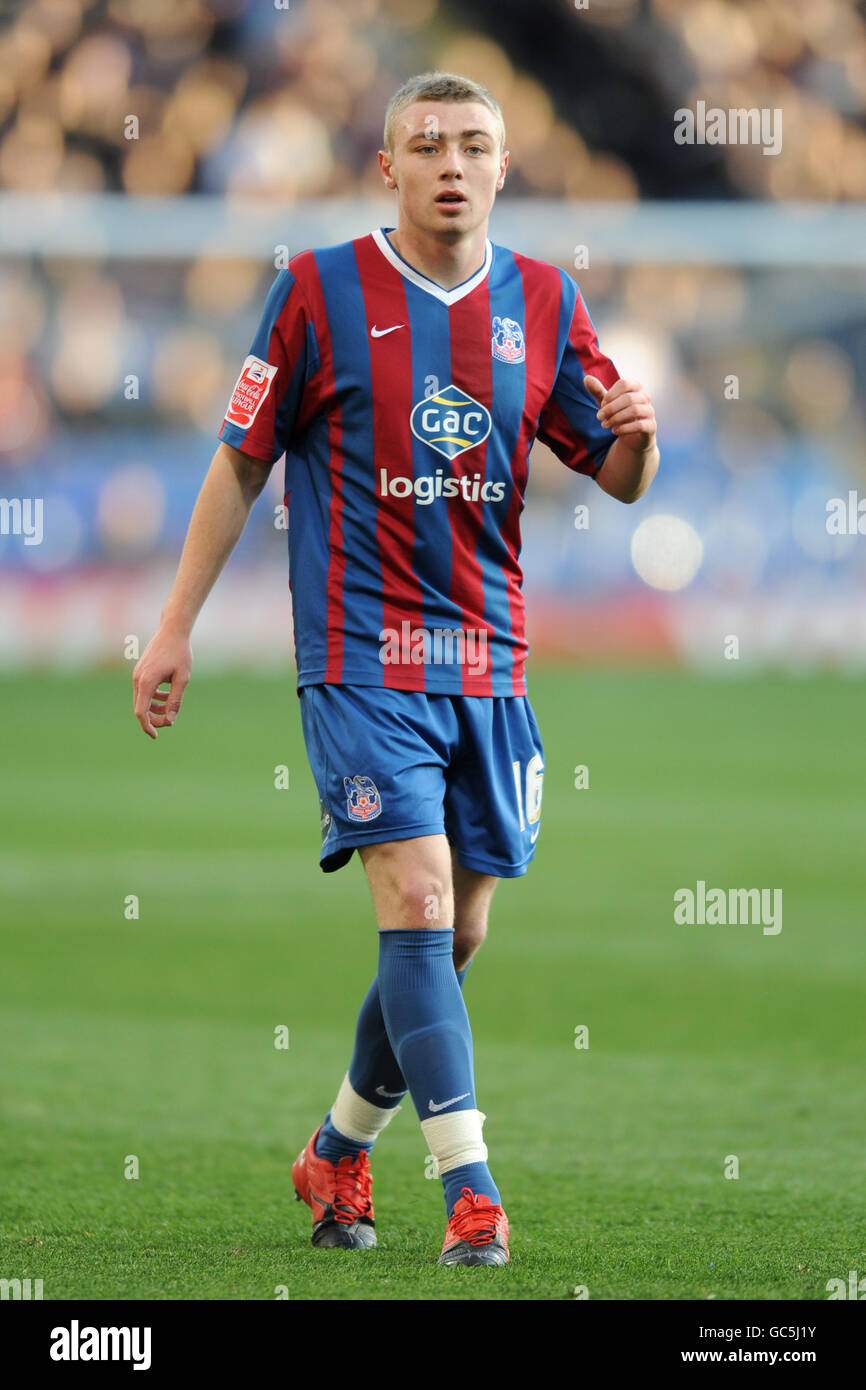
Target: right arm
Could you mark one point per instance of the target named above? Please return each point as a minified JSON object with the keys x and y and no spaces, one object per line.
{"x":233,"y":482}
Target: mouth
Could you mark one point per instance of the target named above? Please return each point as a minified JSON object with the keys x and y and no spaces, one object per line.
{"x":451,"y":198}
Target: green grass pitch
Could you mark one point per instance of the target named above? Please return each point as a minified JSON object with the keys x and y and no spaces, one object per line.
{"x":154,"y":1036}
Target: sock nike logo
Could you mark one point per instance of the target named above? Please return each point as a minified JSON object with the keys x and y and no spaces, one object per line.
{"x":380,"y":1091}
{"x":443,"y":1105}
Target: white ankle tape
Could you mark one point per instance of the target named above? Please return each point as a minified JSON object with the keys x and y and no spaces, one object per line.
{"x":456,"y":1139}
{"x":356,"y":1117}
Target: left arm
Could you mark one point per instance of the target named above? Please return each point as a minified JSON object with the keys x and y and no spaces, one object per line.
{"x":633,"y":459}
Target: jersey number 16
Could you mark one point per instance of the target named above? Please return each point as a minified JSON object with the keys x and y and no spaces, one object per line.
{"x":532,"y":802}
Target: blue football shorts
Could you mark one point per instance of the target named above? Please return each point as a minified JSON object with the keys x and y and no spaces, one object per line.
{"x":393,"y":764}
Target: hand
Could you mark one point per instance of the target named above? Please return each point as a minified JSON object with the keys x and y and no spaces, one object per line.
{"x":167,"y":657}
{"x":627,"y":410}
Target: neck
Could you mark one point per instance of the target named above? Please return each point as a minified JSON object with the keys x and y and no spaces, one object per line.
{"x":448,"y":263}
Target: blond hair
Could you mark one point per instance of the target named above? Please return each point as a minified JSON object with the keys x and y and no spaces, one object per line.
{"x":439,"y":86}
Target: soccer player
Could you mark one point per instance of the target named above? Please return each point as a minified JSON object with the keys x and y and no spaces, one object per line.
{"x":405,"y":374}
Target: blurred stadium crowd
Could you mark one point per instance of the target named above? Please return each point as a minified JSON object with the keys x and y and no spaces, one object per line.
{"x":254,"y":102}
{"x":284,"y":98}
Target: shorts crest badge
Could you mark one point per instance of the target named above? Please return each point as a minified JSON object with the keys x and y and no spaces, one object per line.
{"x":362,"y":798}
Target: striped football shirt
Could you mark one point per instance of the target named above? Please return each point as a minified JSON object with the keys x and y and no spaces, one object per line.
{"x":406,"y":413}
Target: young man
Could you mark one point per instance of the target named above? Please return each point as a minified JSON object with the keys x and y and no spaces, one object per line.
{"x":405,"y":375}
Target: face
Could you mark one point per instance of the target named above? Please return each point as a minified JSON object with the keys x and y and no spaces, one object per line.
{"x":446,"y":166}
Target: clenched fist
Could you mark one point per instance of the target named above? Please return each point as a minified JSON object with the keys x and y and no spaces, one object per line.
{"x":627,"y":410}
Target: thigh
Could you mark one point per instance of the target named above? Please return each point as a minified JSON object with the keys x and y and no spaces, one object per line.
{"x":493,"y":800}
{"x":378,"y":758}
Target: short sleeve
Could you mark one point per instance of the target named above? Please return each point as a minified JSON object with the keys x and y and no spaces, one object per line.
{"x":264,"y":405}
{"x":568,"y":423}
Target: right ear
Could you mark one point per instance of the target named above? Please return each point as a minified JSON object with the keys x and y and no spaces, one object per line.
{"x":386,"y":165}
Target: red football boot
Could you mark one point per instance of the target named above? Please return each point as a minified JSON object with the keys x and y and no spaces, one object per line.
{"x":340,"y":1197}
{"x":477,"y":1232}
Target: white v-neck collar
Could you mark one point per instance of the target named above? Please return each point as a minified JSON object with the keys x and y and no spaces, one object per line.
{"x":423,"y":281}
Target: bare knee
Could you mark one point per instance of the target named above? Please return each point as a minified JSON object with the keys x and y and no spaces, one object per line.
{"x":468,"y":936}
{"x":419,"y":900}
{"x":410,"y":881}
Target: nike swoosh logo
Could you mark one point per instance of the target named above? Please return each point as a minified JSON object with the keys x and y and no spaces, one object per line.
{"x":443,"y":1105}
{"x":381,"y":332}
{"x":380,"y":1091}
{"x":534,"y":837}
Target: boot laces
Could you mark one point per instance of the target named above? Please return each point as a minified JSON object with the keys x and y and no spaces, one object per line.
{"x":478,"y":1225}
{"x":353,"y":1188}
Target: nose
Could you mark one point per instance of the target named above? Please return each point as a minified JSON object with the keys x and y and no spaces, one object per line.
{"x":451,"y":167}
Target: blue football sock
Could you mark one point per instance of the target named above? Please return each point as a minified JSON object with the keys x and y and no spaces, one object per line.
{"x":373,"y":1073}
{"x":428,"y":1026}
{"x":426,"y":1018}
{"x":473,"y":1175}
{"x":373,"y":1070}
